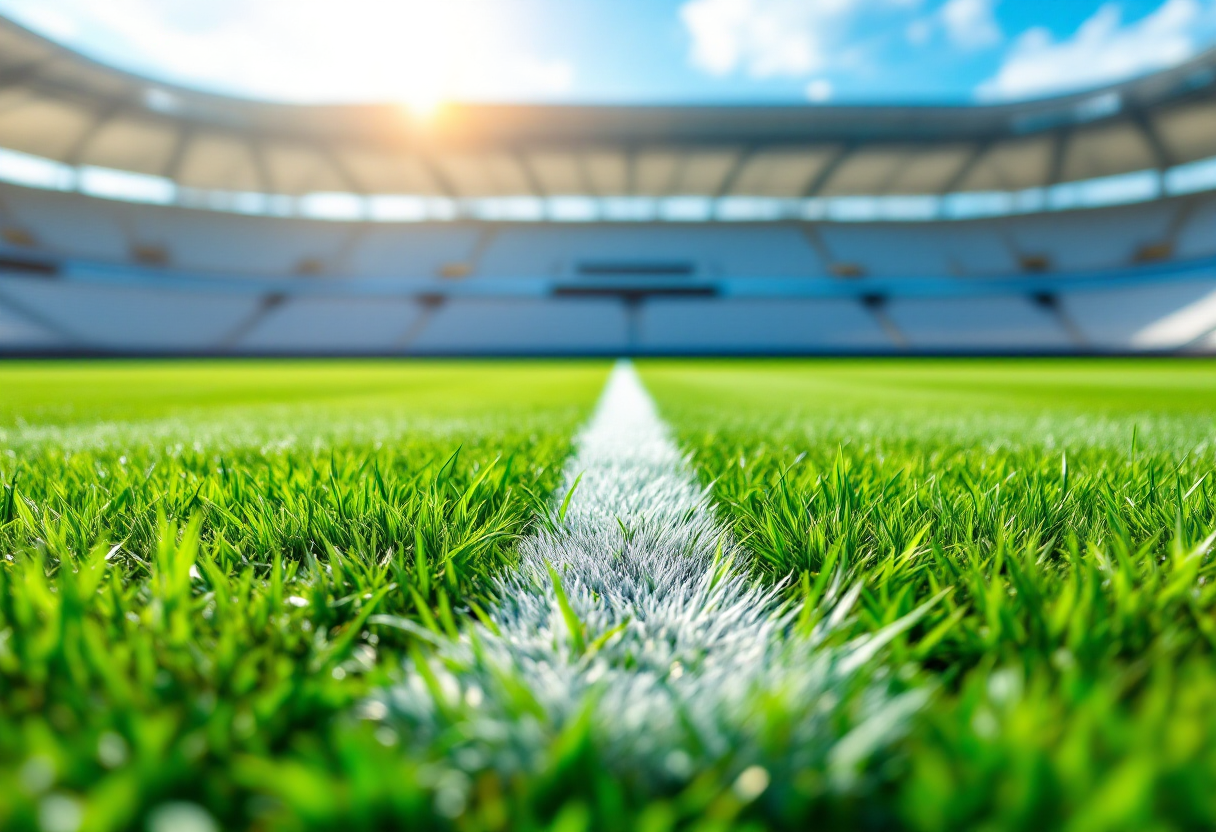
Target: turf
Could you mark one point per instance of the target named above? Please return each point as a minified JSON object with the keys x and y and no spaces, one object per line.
{"x":209,"y":567}
{"x":197,"y":558}
{"x":1061,"y":513}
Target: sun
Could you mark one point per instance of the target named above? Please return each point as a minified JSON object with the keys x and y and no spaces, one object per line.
{"x":400,"y":51}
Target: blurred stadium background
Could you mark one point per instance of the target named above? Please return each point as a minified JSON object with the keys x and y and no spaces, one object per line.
{"x":139,"y":217}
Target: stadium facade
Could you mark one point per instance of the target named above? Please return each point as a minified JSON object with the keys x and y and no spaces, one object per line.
{"x":137,"y":217}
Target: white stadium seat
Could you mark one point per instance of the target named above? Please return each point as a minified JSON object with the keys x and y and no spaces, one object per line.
{"x":211,"y":241}
{"x":69,"y":225}
{"x":410,"y":251}
{"x":525,"y":326}
{"x":1012,"y":323}
{"x":713,"y":250}
{"x":1113,"y":318}
{"x":19,"y":332}
{"x":121,"y":318}
{"x":334,"y":325}
{"x":888,"y":250}
{"x":708,"y":324}
{"x":977,"y":249}
{"x":1107,"y":238}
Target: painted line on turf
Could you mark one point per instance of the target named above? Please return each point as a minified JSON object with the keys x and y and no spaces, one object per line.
{"x":636,"y":619}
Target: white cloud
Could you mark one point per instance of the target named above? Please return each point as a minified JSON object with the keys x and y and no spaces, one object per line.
{"x":1103,"y":49}
{"x":820,"y":90}
{"x":418,"y":51}
{"x":971,"y":24}
{"x":967,"y":24}
{"x":770,"y":38}
{"x":767,"y":37}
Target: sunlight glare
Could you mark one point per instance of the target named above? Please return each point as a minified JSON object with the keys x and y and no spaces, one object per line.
{"x":402,"y":50}
{"x":418,"y":53}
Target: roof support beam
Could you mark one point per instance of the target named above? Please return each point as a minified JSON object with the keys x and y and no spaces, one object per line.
{"x":14,"y":75}
{"x":1162,"y":157}
{"x":438,"y":176}
{"x":584,"y":173}
{"x":525,"y":164}
{"x":978,"y":152}
{"x":1059,"y":153}
{"x":331,"y":156}
{"x":677,"y":173}
{"x":258,"y":155}
{"x":17,"y":73}
{"x":896,"y":172}
{"x":735,"y":172}
{"x":173,"y":166}
{"x":99,"y":122}
{"x":821,"y":179}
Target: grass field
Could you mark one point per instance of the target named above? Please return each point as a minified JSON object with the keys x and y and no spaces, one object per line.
{"x":1061,"y":514}
{"x":193,"y":553}
{"x":209,"y":568}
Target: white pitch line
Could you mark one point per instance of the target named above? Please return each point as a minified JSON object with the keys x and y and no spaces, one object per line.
{"x":681,"y":660}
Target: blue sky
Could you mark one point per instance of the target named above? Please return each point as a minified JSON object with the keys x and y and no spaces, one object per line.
{"x":426,"y":51}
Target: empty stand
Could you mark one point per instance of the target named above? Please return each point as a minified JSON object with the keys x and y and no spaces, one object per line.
{"x":414,"y":251}
{"x":67,"y":224}
{"x":976,"y":248}
{"x":584,"y":325}
{"x":887,"y":250}
{"x":970,"y":248}
{"x":1183,"y":327}
{"x":1108,"y":238}
{"x":673,"y":295}
{"x":88,"y":316}
{"x":1014,"y":324}
{"x":1113,"y":318}
{"x":1197,"y":236}
{"x":212,"y":241}
{"x":718,"y":325}
{"x":334,"y":325}
{"x":19,"y":333}
{"x":715,"y":250}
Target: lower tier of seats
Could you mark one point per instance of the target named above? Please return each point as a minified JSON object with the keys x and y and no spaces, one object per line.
{"x":39,"y":315}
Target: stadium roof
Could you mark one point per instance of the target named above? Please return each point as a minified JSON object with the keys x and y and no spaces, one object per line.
{"x":60,"y":105}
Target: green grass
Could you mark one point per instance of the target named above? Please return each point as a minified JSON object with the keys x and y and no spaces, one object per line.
{"x":1066,"y":508}
{"x":195,"y":555}
{"x":206,"y":567}
{"x":40,"y":393}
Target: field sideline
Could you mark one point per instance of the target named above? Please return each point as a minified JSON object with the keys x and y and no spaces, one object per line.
{"x":368,"y":594}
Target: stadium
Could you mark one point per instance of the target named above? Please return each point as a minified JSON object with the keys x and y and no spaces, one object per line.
{"x":140,"y":217}
{"x":586,"y":467}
